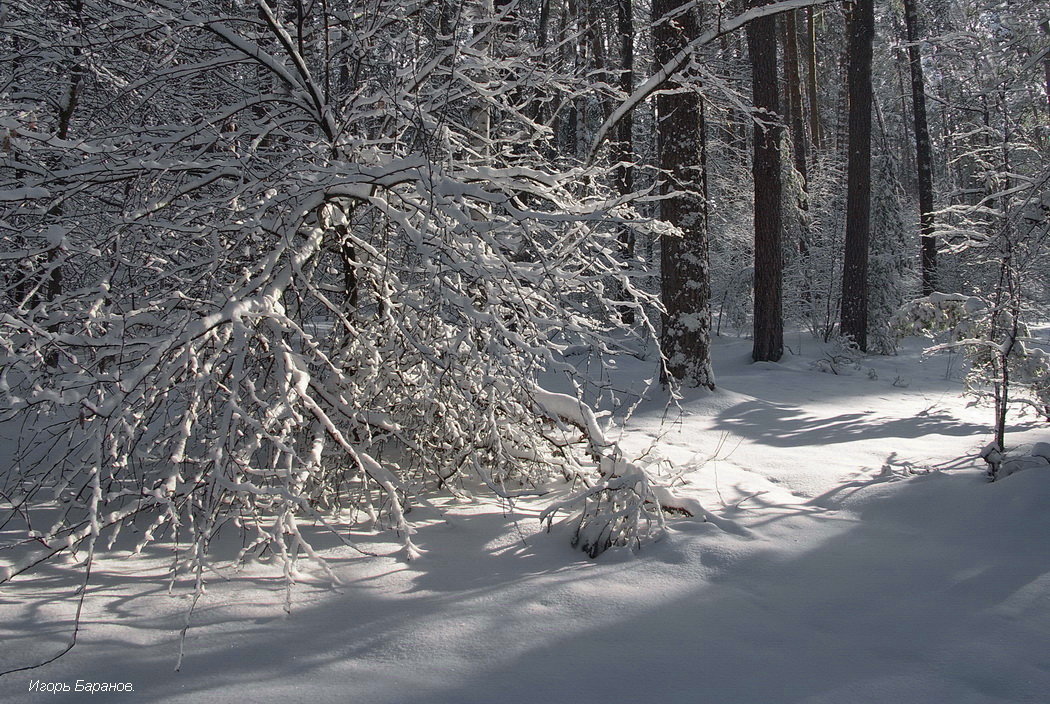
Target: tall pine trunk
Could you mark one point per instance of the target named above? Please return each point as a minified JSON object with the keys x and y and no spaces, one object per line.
{"x":66,"y":110}
{"x":1045,"y":26}
{"x":858,"y":187}
{"x":480,"y":112}
{"x":769,"y":254}
{"x":923,"y":154}
{"x":685,"y":283}
{"x":793,"y":85}
{"x":624,"y":149}
{"x":816,"y":133}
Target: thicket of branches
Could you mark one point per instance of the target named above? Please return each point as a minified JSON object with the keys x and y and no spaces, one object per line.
{"x":266,"y":262}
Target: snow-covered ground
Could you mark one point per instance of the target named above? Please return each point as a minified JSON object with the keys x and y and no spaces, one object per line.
{"x":863,"y":557}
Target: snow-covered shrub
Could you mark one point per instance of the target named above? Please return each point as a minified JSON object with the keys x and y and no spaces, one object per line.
{"x":1004,"y":464}
{"x":841,"y":357}
{"x":954,"y":313}
{"x":617,"y":509}
{"x":823,"y":260}
{"x":995,"y":226}
{"x":316,"y":293}
{"x":1001,"y":351}
{"x":888,"y":262}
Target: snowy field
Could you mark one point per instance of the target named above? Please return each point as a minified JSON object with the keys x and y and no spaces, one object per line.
{"x":859,"y":555}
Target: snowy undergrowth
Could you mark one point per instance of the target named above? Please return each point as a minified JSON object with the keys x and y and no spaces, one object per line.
{"x":862,"y":556}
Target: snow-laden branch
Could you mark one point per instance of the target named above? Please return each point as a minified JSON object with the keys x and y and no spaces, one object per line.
{"x":253,"y":292}
{"x":679,"y":61}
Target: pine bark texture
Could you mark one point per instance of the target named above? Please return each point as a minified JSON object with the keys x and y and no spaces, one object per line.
{"x":480,"y":111}
{"x":793,"y":81}
{"x":685,"y":282}
{"x":854,"y":322}
{"x":624,"y":147}
{"x":923,"y":152}
{"x":793,"y":85}
{"x":769,"y":253}
{"x":625,"y":139}
{"x":1045,"y":27}
{"x":816,"y":133}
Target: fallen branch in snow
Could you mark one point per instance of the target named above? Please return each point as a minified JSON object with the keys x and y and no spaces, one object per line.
{"x":692,"y":507}
{"x":618,"y":511}
{"x":624,"y":507}
{"x":621,"y":508}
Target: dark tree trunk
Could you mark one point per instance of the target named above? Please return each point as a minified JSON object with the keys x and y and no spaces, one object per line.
{"x":536,"y":110}
{"x":480,"y":112}
{"x":685,"y":285}
{"x":858,"y":186}
{"x":793,"y":81}
{"x":624,"y":150}
{"x":570,"y":126}
{"x":923,"y":154}
{"x":625,"y":139}
{"x":907,"y":121}
{"x":794,"y":101}
{"x":1045,"y":26}
{"x":815,"y":131}
{"x":769,"y":255}
{"x":65,"y":117}
{"x":446,"y":21}
{"x":597,"y":60}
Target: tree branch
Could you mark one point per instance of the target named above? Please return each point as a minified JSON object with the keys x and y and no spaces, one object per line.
{"x":679,"y":60}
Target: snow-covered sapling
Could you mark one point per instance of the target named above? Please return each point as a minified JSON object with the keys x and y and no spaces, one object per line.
{"x":1003,"y":355}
